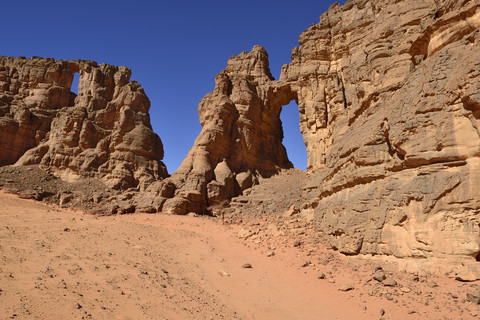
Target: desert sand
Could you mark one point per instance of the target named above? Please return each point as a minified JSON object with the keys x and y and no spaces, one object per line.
{"x":60,"y":264}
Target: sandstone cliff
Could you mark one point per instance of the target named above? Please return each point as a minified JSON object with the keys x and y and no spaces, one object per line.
{"x":104,"y":132}
{"x":393,"y":89}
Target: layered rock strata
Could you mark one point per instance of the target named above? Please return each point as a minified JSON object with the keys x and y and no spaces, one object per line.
{"x":104,"y":132}
{"x":397,"y":155}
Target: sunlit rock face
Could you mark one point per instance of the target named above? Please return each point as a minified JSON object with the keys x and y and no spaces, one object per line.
{"x":389,"y":103}
{"x":104,"y":132}
{"x":241,"y":139}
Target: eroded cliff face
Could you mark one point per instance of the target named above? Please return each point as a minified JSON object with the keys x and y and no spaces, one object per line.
{"x":104,"y":132}
{"x":393,"y":89}
{"x":389,"y":106}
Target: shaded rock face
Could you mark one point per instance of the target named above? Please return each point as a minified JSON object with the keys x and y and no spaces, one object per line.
{"x":389,"y":106}
{"x":104,"y":132}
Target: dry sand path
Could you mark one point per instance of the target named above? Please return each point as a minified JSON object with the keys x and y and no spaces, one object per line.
{"x":58,"y":264}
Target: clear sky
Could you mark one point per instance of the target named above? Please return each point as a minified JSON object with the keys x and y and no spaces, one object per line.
{"x":174,"y":48}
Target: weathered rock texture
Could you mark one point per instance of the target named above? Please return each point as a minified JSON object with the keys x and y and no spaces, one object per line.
{"x":389,"y":100}
{"x":241,"y":138}
{"x":393,"y":89}
{"x":104,"y":132}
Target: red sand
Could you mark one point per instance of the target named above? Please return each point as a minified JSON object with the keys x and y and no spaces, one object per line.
{"x":58,"y":264}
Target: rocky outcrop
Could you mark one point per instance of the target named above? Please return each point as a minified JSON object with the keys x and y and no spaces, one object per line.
{"x":241,"y":138}
{"x":104,"y":132}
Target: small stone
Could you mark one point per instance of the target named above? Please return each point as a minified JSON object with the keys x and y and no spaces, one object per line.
{"x":297,"y":243}
{"x":321,"y":275}
{"x":223,"y":273}
{"x":432,"y":284}
{"x":78,"y":305}
{"x":382,"y":312}
{"x":163,"y":286}
{"x":346,"y":287}
{"x":405,"y":289}
{"x":247,"y":266}
{"x":66,"y":229}
{"x":389,"y":282}
{"x":306,"y":263}
{"x":411,"y":311}
{"x":271,"y":254}
{"x":474,"y":296}
{"x":244,"y":233}
{"x":331,"y":280}
{"x":379,"y":275}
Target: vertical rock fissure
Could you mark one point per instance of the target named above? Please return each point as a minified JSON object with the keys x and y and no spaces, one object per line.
{"x":342,"y":87}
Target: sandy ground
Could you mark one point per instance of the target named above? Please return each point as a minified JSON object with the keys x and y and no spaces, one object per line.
{"x":58,"y":264}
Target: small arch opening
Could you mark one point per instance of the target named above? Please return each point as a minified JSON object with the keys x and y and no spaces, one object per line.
{"x":75,"y":83}
{"x":477,"y":257}
{"x":74,"y":88}
{"x":292,"y":137}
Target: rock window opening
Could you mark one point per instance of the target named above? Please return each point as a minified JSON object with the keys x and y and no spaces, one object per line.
{"x":292,"y":137}
{"x":74,"y":86}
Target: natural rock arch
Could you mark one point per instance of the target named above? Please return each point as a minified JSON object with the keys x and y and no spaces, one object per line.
{"x":241,"y":139}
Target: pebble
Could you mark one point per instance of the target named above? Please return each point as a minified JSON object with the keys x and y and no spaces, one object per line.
{"x":223,"y":273}
{"x":379,"y":275}
{"x":247,"y":266}
{"x":331,"y":280}
{"x":389,"y":282}
{"x":271,"y":254}
{"x":297,"y":243}
{"x":382,"y":312}
{"x":306,"y":263}
{"x":321,"y":275}
{"x":432,"y":284}
{"x":346,"y":287}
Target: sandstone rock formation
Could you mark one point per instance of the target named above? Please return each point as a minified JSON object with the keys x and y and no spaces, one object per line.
{"x":241,"y":138}
{"x":389,"y":107}
{"x":104,"y":132}
{"x":397,"y":154}
{"x":389,"y":103}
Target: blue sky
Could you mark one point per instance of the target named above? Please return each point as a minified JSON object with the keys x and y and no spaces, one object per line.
{"x":174,"y":48}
